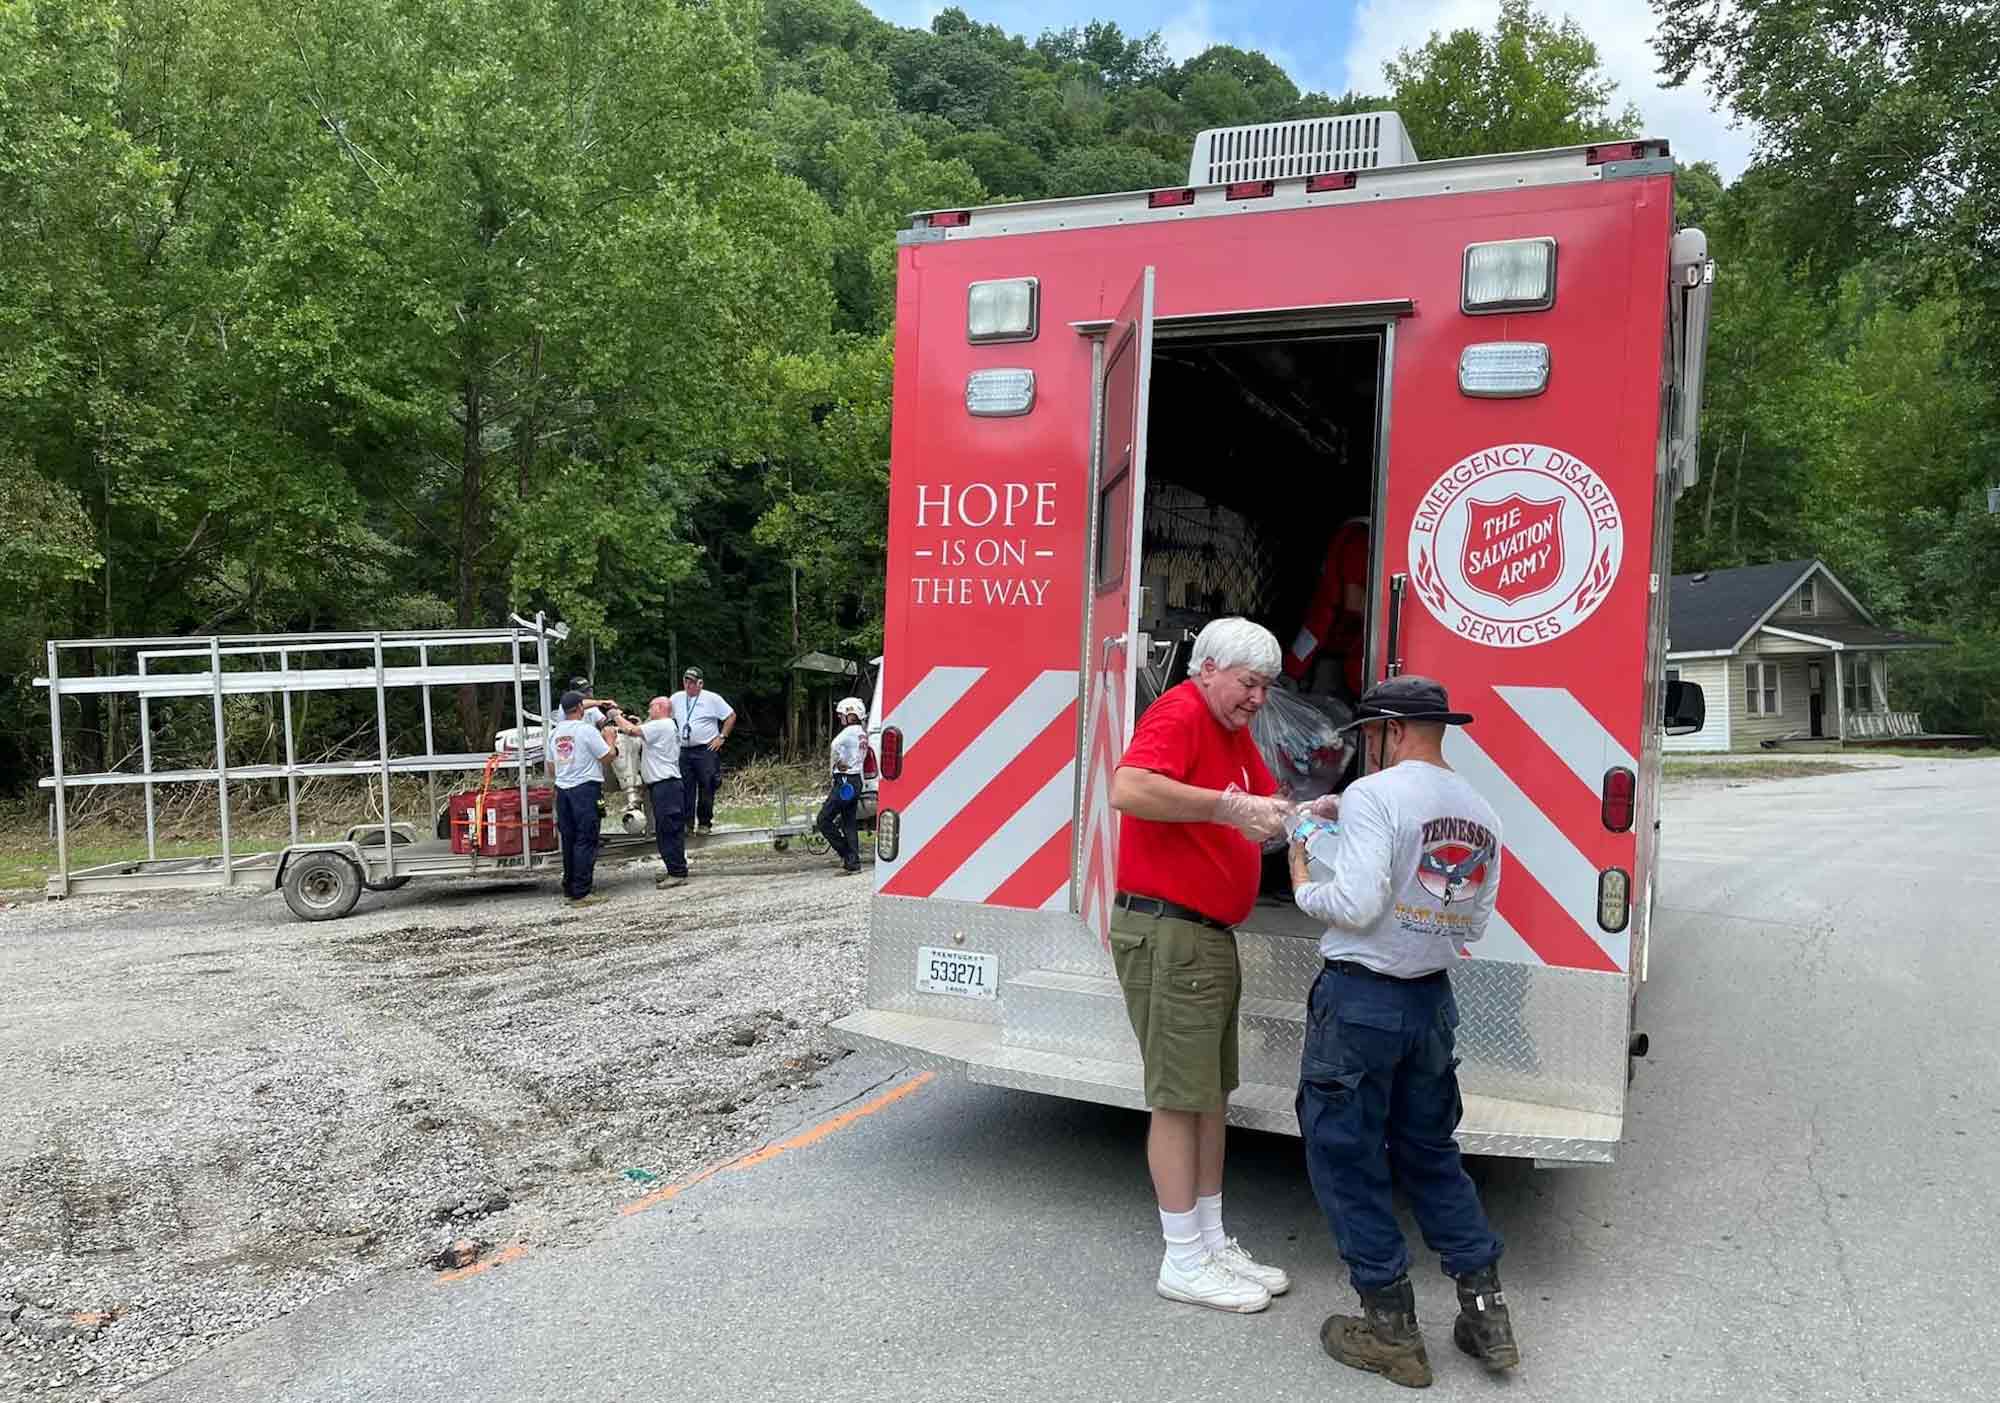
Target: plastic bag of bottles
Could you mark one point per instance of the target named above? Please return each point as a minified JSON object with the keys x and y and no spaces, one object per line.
{"x":1299,"y":738}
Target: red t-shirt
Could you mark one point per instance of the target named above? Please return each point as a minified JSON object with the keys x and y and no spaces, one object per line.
{"x":1207,"y":867}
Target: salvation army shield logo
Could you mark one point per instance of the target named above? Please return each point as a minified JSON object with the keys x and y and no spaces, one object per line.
{"x":1516,"y":545}
{"x":1513,"y":547}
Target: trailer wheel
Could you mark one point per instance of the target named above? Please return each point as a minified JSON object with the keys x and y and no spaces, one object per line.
{"x":388,"y":884}
{"x":780,"y":844}
{"x":816,"y":843}
{"x":322,"y":886}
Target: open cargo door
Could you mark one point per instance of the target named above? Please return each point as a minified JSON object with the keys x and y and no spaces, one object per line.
{"x":1111,"y":643}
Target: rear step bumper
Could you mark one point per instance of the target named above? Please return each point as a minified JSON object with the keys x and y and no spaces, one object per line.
{"x":1492,"y":1125}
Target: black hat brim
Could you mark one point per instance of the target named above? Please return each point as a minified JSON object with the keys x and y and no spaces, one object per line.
{"x":1448,"y":718}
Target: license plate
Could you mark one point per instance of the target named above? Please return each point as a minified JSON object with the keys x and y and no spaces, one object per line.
{"x":965,"y":973}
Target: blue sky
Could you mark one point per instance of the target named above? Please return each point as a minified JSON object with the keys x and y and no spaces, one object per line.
{"x":1337,"y":45}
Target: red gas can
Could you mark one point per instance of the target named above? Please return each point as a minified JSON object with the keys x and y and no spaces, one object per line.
{"x":491,"y":825}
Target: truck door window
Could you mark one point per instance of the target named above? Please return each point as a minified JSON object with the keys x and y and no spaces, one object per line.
{"x":1114,"y":531}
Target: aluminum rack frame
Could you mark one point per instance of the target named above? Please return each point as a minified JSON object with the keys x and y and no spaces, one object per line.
{"x":223,"y":869}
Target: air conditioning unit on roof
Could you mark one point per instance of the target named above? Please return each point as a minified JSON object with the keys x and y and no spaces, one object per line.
{"x":1311,"y":146}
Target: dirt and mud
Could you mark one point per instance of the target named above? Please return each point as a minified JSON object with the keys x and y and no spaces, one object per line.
{"x":211,"y":1112}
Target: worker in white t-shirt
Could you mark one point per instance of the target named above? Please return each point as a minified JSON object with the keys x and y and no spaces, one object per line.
{"x":660,"y":767}
{"x":576,"y":753}
{"x":705,"y":721}
{"x":850,"y":752}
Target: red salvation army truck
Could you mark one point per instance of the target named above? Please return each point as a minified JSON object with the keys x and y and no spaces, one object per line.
{"x":1423,"y":416}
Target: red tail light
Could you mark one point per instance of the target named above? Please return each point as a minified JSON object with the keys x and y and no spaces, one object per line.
{"x":869,"y":769}
{"x":1621,"y":796}
{"x":892,"y":753}
{"x":949,"y":219}
{"x":1168,"y":199}
{"x":1337,"y":180}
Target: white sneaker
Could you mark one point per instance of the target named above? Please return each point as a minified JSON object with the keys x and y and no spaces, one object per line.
{"x":1237,"y":1261}
{"x":1209,"y":1283}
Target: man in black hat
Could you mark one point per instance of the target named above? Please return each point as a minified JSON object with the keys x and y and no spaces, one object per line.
{"x":705,"y":721}
{"x":1407,"y":881}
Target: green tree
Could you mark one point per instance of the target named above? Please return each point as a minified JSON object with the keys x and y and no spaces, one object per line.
{"x":1879,"y":123}
{"x":1531,"y":83}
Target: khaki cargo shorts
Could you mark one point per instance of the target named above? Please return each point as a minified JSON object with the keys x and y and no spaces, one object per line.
{"x":1182,"y":986}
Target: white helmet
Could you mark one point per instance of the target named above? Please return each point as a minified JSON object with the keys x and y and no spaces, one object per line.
{"x":851,"y":706}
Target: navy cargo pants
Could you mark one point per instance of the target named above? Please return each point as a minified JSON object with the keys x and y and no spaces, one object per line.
{"x":576,"y":820}
{"x":1378,"y":1093}
{"x":701,"y":772}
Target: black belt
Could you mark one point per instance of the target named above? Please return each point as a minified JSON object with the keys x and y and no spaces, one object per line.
{"x":1363,"y":972}
{"x":1167,"y":911}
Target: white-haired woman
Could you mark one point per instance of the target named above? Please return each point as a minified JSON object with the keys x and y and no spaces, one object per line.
{"x":1195,"y":800}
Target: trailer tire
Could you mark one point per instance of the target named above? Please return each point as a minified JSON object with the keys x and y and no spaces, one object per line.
{"x":780,"y":844}
{"x":388,"y":884}
{"x":322,"y":886}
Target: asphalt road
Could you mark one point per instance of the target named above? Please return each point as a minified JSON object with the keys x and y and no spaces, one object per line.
{"x":1805,"y":1208}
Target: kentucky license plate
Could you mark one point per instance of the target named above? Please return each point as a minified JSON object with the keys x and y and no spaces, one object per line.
{"x":965,"y":973}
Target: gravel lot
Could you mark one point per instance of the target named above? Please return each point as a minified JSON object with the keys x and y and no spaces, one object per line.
{"x":213,"y":1112}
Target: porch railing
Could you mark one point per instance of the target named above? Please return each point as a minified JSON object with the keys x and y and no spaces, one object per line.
{"x":1879,"y":725}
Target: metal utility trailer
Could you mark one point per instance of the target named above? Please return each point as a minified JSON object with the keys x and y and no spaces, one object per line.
{"x":323,"y":880}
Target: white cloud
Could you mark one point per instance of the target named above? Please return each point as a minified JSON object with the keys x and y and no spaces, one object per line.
{"x":1623,"y":33}
{"x":1189,"y":32}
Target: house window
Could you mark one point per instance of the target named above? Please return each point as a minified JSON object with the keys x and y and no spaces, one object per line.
{"x":1856,"y":693}
{"x":1808,"y":601}
{"x":1760,"y":689}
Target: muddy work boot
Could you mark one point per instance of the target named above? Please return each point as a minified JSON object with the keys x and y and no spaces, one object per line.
{"x":1483,"y":1329}
{"x":1384,"y":1339}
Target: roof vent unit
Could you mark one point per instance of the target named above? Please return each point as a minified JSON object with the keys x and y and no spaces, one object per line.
{"x":1311,"y":146}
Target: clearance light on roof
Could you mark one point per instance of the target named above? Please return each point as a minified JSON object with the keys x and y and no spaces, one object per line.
{"x":999,"y":394}
{"x":1516,"y":276}
{"x":1503,"y":369}
{"x":1002,"y":310}
{"x":949,"y":219}
{"x":1169,"y":199}
{"x":1334,"y":180}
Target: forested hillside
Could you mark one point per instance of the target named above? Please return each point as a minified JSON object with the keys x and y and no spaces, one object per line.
{"x":383,"y":314}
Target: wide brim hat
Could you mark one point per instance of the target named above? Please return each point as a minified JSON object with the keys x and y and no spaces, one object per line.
{"x":1407,"y":698}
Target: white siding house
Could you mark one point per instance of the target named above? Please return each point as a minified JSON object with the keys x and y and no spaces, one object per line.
{"x":1784,"y":654}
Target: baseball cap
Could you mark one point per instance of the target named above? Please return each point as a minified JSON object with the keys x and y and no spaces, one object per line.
{"x":571,"y":700}
{"x":1408,"y":698}
{"x":693,"y":672}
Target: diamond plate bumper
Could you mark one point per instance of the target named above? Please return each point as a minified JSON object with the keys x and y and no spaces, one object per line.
{"x":1492,"y":1126}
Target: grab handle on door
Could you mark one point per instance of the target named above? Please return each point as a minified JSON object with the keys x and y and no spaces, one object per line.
{"x":1116,"y":641}
{"x":1398,"y":586}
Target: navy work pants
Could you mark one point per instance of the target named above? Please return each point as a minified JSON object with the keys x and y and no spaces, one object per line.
{"x":576,"y":820}
{"x":701,"y":772}
{"x":1378,"y":1094}
{"x":666,"y":795}
{"x":836,"y":820}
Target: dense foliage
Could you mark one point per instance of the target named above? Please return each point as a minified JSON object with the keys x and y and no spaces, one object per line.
{"x":395,"y":313}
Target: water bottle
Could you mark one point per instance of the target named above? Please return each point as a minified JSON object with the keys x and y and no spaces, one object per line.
{"x":1321,"y":836}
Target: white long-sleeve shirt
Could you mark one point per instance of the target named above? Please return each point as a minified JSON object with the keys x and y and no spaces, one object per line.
{"x":1415,"y":871}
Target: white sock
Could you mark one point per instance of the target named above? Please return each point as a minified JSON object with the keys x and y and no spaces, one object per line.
{"x":1208,"y":1217}
{"x":1183,"y":1235}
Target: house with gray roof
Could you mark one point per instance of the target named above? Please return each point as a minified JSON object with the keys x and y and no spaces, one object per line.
{"x":1784,"y":654}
